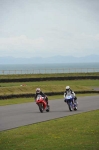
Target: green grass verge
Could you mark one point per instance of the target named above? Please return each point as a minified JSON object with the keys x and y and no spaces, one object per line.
{"x":18,"y":76}
{"x":47,"y":86}
{"x":28,"y":100}
{"x":77,"y":132}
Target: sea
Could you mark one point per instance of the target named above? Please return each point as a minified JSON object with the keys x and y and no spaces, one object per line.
{"x":48,"y":68}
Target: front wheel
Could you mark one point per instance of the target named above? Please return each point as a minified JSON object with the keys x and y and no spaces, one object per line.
{"x":40,"y":105}
{"x":70,"y":107}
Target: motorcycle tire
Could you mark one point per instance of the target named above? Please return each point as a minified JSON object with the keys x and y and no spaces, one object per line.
{"x":75,"y":108}
{"x":48,"y":109}
{"x":41,"y":107}
{"x":70,"y":107}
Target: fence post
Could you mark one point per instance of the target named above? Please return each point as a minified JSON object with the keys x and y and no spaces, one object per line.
{"x":3,"y":72}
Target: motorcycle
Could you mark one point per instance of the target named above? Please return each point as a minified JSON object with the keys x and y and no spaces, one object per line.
{"x":72,"y":105}
{"x":42,"y":104}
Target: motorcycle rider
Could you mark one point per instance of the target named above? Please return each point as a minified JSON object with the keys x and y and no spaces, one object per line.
{"x":39,"y":92}
{"x":69,"y":91}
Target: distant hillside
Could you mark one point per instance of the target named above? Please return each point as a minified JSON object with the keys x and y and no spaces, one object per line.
{"x":54,"y":59}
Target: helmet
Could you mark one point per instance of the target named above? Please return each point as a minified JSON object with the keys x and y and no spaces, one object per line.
{"x":67,"y":87}
{"x":38,"y":90}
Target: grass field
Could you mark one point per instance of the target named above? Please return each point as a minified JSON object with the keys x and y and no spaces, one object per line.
{"x":47,"y":86}
{"x":77,"y":132}
{"x":18,"y":76}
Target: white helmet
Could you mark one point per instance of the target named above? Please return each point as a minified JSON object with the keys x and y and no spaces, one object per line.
{"x":67,"y":87}
{"x":38,"y":90}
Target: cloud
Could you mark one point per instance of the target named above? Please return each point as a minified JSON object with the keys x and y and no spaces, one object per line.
{"x":35,"y":27}
{"x":22,"y":42}
{"x":58,"y":42}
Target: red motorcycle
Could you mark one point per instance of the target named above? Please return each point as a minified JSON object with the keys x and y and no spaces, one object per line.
{"x":42,"y":104}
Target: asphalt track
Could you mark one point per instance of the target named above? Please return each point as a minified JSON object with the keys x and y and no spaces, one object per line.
{"x":12,"y":116}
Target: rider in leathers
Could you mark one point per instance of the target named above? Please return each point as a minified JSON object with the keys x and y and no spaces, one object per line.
{"x":39,"y":92}
{"x":68,"y":91}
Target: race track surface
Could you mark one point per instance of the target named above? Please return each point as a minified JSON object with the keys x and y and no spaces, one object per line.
{"x":12,"y":116}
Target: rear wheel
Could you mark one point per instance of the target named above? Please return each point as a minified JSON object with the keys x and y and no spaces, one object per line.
{"x":75,"y":108}
{"x":48,"y":109}
{"x":41,"y":107}
{"x":75,"y":105}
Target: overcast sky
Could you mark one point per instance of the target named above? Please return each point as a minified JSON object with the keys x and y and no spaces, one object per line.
{"x":30,"y":28}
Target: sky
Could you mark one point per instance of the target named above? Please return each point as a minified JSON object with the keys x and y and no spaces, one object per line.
{"x":31,"y":28}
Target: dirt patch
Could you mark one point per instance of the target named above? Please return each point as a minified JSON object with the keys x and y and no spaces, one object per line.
{"x":95,"y":88}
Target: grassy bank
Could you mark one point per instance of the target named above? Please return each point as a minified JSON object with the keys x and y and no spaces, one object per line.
{"x":16,"y":76}
{"x":47,"y":86}
{"x":77,"y":132}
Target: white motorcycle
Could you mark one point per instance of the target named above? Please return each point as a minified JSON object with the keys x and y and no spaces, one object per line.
{"x":72,"y":105}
